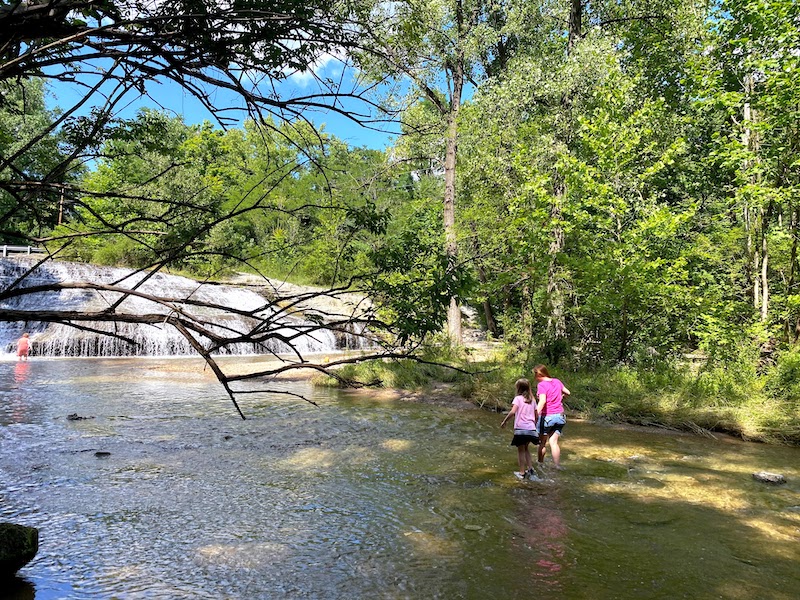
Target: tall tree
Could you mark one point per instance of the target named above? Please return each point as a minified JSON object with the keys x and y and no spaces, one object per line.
{"x":564,"y":155}
{"x":748,"y":74}
{"x":439,"y":49}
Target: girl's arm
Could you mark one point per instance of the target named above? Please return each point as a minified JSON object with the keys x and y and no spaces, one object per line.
{"x":542,"y":401}
{"x":564,"y":390}
{"x":510,"y":413}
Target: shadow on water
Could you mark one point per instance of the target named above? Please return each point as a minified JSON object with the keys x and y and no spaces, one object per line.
{"x":17,"y":588}
{"x":541,"y":535}
{"x":164,"y":492}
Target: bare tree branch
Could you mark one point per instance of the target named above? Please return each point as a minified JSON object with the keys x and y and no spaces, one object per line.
{"x":114,"y":52}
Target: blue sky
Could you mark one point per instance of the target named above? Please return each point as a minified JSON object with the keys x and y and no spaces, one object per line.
{"x":175,"y":100}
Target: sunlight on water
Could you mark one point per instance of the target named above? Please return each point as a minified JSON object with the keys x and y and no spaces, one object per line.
{"x":158,"y":490}
{"x":397,"y":445}
{"x":248,"y":556}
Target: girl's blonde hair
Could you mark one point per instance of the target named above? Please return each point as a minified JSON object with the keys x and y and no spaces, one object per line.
{"x":540,"y":371}
{"x":524,"y":390}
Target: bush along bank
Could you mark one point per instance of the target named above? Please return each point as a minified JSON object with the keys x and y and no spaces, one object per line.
{"x":709,"y":399}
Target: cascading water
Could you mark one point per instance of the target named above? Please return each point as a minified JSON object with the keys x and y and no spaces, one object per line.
{"x":150,"y":340}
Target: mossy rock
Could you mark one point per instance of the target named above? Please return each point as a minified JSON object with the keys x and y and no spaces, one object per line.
{"x":18,"y":545}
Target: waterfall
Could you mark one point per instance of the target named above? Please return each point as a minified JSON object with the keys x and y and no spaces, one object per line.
{"x":55,"y":339}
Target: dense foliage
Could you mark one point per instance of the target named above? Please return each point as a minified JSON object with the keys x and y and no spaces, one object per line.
{"x":626,"y":190}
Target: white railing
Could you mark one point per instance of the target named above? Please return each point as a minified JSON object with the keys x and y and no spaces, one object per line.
{"x":21,"y":250}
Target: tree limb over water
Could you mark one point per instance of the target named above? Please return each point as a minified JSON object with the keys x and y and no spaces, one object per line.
{"x":210,"y":328}
{"x":59,"y":170}
{"x":204,"y":47}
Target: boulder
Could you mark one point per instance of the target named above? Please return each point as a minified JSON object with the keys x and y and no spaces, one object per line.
{"x":773,"y":478}
{"x":18,"y":545}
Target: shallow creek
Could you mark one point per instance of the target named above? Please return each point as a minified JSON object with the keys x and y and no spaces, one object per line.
{"x":359,"y":498}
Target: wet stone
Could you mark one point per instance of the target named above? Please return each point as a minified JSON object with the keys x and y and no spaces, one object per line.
{"x":771,"y":478}
{"x":18,"y":545}
{"x":76,"y":417}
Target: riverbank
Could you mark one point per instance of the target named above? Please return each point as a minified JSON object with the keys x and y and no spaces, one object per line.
{"x":706,"y":402}
{"x":666,"y":398}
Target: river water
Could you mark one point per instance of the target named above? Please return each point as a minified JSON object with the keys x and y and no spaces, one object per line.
{"x":360,"y":498}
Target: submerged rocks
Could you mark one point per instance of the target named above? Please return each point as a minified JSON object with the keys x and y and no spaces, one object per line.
{"x":771,"y":478}
{"x":18,"y":545}
{"x":76,"y":417}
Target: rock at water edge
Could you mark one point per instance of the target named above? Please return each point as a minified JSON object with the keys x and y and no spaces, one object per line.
{"x":18,"y":545}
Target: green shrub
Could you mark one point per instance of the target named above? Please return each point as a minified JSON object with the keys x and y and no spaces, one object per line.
{"x":723,"y":385}
{"x":783,"y":380}
{"x":716,"y":397}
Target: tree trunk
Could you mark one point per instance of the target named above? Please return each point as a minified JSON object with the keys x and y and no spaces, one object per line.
{"x":526,"y":314}
{"x":451,"y":152}
{"x":751,"y":266}
{"x":556,"y":326}
{"x":624,"y":334}
{"x":766,"y":217}
{"x":755,"y":230}
{"x":454,"y":312}
{"x":556,"y":321}
{"x":488,"y":313}
{"x":793,"y":268}
{"x":575,"y":25}
{"x":756,"y":279}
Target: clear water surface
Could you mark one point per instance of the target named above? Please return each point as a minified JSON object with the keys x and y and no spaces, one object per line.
{"x":360,"y":498}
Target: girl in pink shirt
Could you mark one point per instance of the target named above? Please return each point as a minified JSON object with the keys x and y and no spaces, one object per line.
{"x":524,"y":410}
{"x":550,"y":392}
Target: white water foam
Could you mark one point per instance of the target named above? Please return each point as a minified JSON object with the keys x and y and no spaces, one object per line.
{"x":54,"y":339}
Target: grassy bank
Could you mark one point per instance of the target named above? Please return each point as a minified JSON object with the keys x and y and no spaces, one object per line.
{"x":681,"y":396}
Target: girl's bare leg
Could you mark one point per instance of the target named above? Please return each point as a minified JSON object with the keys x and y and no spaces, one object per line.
{"x":528,"y":460}
{"x":521,"y":450}
{"x":555,"y":449}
